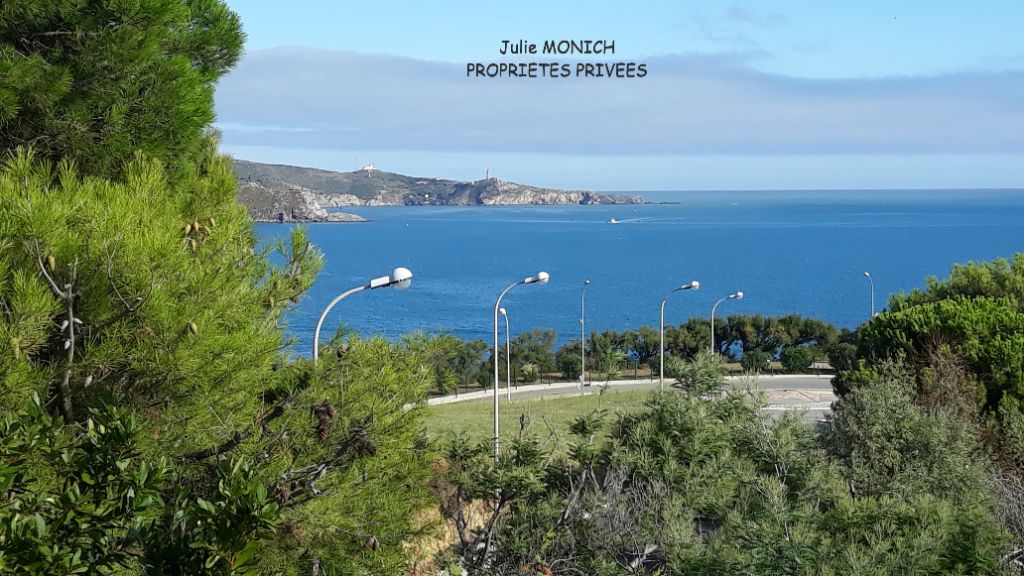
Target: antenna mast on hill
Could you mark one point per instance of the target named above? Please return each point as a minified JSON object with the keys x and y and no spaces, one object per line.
{"x":487,"y":174}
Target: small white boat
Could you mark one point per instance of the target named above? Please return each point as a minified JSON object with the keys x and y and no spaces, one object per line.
{"x":613,"y":221}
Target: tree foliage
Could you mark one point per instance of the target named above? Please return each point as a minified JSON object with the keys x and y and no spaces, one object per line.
{"x":688,"y":338}
{"x":153,"y":419}
{"x":745,"y":333}
{"x":609,"y":351}
{"x":349,"y":462}
{"x":705,"y":374}
{"x":755,"y":361}
{"x":705,"y":483}
{"x":642,"y":344}
{"x":771,"y":334}
{"x":454,"y":363}
{"x":892,"y":446}
{"x":842,"y":356}
{"x":977,"y":312}
{"x":94,"y":82}
{"x":74,"y":500}
{"x":535,"y":347}
{"x":797,"y":359}
{"x":144,"y":291}
{"x":999,"y":278}
{"x":568,"y":360}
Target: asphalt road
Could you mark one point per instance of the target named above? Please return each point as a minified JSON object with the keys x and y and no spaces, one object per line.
{"x":811,"y":394}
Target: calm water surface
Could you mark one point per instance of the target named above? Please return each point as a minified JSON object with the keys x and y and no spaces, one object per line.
{"x":802,"y":252}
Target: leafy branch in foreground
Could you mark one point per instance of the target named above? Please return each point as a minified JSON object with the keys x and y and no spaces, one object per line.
{"x":699,"y":481}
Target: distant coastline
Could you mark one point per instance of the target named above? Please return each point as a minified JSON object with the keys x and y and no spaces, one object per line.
{"x":275,"y":193}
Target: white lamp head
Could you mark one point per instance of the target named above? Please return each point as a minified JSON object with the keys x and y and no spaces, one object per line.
{"x":541,"y":278}
{"x":586,"y":282}
{"x":400,"y":279}
{"x":868,"y":274}
{"x":692,"y":286}
{"x":738,"y":296}
{"x":502,"y":311}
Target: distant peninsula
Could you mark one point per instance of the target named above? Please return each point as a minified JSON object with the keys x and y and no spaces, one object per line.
{"x":280,"y":193}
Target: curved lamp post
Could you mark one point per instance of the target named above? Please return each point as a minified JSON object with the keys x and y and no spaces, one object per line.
{"x":872,"y":283}
{"x":736,"y":296}
{"x":661,"y":331}
{"x":400,"y":279}
{"x":541,"y":278}
{"x":583,"y":335}
{"x":508,"y":355}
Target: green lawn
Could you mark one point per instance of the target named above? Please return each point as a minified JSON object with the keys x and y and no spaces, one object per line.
{"x":545,"y":418}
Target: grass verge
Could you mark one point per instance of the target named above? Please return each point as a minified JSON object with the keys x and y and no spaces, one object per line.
{"x":545,"y":418}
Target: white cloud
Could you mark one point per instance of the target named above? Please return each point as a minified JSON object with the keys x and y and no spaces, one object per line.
{"x":310,"y":98}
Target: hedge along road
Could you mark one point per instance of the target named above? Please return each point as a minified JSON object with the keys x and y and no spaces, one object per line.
{"x":802,"y":392}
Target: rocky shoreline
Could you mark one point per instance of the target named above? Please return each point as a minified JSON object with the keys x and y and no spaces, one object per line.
{"x":267,"y":205}
{"x":278,"y":193}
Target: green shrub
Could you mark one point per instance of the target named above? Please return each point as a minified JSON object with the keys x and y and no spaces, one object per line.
{"x":485,"y":379}
{"x":529,"y":373}
{"x":1011,"y":427}
{"x":755,"y":361}
{"x":892,"y":447}
{"x":842,"y":356}
{"x":797,"y":359}
{"x":698,"y":483}
{"x":702,"y":375}
{"x":987,"y":332}
{"x":569,"y":363}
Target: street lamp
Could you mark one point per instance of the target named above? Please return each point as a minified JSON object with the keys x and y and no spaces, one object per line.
{"x":541,"y":278}
{"x":737,"y":296}
{"x":400,"y":279}
{"x":583,"y":335}
{"x":508,"y":355}
{"x":661,"y":351}
{"x":872,"y":283}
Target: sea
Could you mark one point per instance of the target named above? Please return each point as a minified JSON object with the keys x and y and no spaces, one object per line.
{"x":802,"y":252}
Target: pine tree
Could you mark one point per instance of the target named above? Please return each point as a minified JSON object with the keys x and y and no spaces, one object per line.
{"x":95,"y":81}
{"x":152,"y":419}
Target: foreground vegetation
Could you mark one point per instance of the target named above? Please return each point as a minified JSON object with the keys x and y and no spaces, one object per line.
{"x":152,"y":420}
{"x":699,"y":481}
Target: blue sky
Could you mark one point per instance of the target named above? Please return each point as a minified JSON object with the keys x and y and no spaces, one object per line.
{"x":756,"y":95}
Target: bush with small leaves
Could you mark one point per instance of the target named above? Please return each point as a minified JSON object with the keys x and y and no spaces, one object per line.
{"x":695,"y":483}
{"x":703,"y":374}
{"x":755,"y":361}
{"x":796,"y":359}
{"x":568,"y":360}
{"x":842,"y":356}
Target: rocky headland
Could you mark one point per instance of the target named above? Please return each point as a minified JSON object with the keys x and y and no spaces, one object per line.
{"x":290,"y":204}
{"x":279,"y":193}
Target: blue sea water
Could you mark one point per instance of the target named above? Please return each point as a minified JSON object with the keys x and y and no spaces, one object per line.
{"x":799,"y":252}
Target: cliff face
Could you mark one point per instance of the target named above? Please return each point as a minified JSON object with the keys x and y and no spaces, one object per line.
{"x":493,"y":192}
{"x":375,"y":188}
{"x":337,"y":200}
{"x":292,"y":205}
